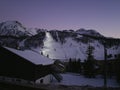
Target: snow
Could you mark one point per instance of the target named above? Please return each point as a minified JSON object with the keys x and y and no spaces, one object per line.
{"x":98,"y":51}
{"x":21,"y":44}
{"x":12,"y":28}
{"x":32,"y":56}
{"x":13,"y":24}
{"x":79,"y":80}
{"x":56,"y":50}
{"x":79,"y":36}
{"x":32,"y":31}
{"x":89,"y":32}
{"x":74,"y":49}
{"x":113,"y":51}
{"x":70,"y":49}
{"x":52,"y":48}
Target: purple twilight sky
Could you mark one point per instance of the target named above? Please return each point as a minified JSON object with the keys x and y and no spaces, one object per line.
{"x":101,"y":15}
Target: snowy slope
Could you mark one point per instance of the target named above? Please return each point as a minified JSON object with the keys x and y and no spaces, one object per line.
{"x":70,"y":49}
{"x":52,"y":48}
{"x":32,"y":56}
{"x":113,"y":51}
{"x":73,"y":49}
{"x":32,"y":31}
{"x":12,"y":28}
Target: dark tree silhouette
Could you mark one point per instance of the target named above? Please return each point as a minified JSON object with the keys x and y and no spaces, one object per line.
{"x":118,"y":68}
{"x":89,"y":64}
{"x":74,"y":65}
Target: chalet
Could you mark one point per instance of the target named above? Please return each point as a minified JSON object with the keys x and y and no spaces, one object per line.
{"x":28,"y":65}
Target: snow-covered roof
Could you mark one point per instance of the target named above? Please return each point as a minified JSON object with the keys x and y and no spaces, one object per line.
{"x":32,"y":56}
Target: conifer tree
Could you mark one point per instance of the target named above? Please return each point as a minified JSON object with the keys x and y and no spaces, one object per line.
{"x":89,"y":64}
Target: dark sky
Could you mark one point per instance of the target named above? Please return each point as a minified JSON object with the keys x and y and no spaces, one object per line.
{"x":101,"y":15}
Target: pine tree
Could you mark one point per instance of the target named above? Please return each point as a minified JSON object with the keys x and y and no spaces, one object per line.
{"x":69,"y":65}
{"x":79,"y":66}
{"x":89,"y":64}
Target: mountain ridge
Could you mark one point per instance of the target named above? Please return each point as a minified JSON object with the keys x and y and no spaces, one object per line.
{"x":58,"y":44}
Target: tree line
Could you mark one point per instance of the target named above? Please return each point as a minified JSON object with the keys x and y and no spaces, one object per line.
{"x":90,"y":67}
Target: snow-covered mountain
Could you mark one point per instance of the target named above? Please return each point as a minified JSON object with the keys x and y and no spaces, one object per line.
{"x":58,"y":44}
{"x":13,"y":28}
{"x":65,"y":45}
{"x":89,"y":32}
{"x":14,"y":34}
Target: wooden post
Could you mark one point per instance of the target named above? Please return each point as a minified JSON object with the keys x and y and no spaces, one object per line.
{"x":105,"y":66}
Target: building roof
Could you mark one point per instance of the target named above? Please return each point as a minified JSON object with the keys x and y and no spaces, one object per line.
{"x":32,"y":56}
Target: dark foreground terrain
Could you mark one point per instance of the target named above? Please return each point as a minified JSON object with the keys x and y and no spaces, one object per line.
{"x":8,"y":86}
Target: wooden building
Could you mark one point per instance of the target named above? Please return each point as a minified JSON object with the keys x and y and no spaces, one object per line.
{"x":26,"y":65}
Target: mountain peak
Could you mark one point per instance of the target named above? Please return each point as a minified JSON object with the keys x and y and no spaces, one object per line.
{"x":10,"y":24}
{"x":12,"y":28}
{"x":89,"y":32}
